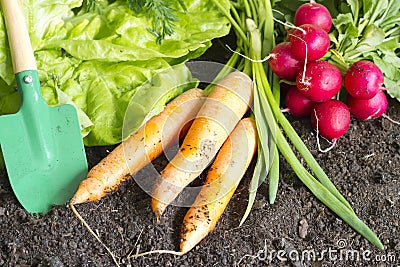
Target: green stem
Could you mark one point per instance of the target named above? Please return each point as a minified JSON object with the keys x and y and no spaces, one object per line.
{"x":261,"y":169}
{"x":228,"y":67}
{"x":357,"y":11}
{"x":273,"y":176}
{"x":237,"y":27}
{"x":337,"y":60}
{"x":377,"y":9}
{"x":268,"y":41}
{"x":389,"y":33}
{"x":274,"y":171}
{"x":254,"y":12}
{"x":247,"y":8}
{"x":298,"y":143}
{"x":236,"y":17}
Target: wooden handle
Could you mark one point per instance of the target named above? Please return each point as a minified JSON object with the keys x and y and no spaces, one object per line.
{"x":18,"y":36}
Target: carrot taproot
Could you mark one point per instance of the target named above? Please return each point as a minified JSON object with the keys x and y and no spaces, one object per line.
{"x":146,"y":144}
{"x":223,"y":178}
{"x":222,"y":110}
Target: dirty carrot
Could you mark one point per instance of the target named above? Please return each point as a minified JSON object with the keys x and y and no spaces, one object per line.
{"x":222,"y":110}
{"x":146,"y":144}
{"x":223,"y":178}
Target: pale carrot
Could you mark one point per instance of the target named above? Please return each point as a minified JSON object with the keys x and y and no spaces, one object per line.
{"x":146,"y":144}
{"x":222,"y":110}
{"x":223,"y":178}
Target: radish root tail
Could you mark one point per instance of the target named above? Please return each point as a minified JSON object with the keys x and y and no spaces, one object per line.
{"x":391,"y":87}
{"x":303,"y":77}
{"x":390,"y":119}
{"x":289,"y":25}
{"x":248,"y":58}
{"x":334,"y":141}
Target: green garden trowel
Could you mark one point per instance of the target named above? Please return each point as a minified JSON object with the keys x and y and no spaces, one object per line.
{"x":42,"y":146}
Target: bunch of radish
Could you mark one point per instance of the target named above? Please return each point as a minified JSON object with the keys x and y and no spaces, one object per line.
{"x":364,"y":84}
{"x":298,"y":60}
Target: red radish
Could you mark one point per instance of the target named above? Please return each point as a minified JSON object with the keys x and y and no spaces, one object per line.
{"x":309,"y":42}
{"x":363,"y":79}
{"x":333,"y":118}
{"x":297,"y":104}
{"x":313,"y":13}
{"x":283,"y":63}
{"x":320,"y":82}
{"x":367,"y":109}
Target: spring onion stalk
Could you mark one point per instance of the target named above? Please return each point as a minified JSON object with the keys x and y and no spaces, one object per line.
{"x":273,"y":175}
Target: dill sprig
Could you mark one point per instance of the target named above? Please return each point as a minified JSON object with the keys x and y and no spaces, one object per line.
{"x":162,"y":15}
{"x":163,"y":18}
{"x":93,"y":5}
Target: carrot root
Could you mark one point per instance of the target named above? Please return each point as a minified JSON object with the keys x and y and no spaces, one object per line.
{"x":160,"y":132}
{"x":223,"y":178}
{"x":222,"y":110}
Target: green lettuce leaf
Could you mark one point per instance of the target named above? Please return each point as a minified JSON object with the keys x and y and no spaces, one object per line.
{"x":149,"y":98}
{"x":98,"y":59}
{"x":106,"y":101}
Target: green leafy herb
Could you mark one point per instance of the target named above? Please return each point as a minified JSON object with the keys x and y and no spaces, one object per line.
{"x":369,"y":29}
{"x":161,"y":13}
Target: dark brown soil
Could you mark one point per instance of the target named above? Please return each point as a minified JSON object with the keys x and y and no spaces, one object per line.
{"x":297,"y":230}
